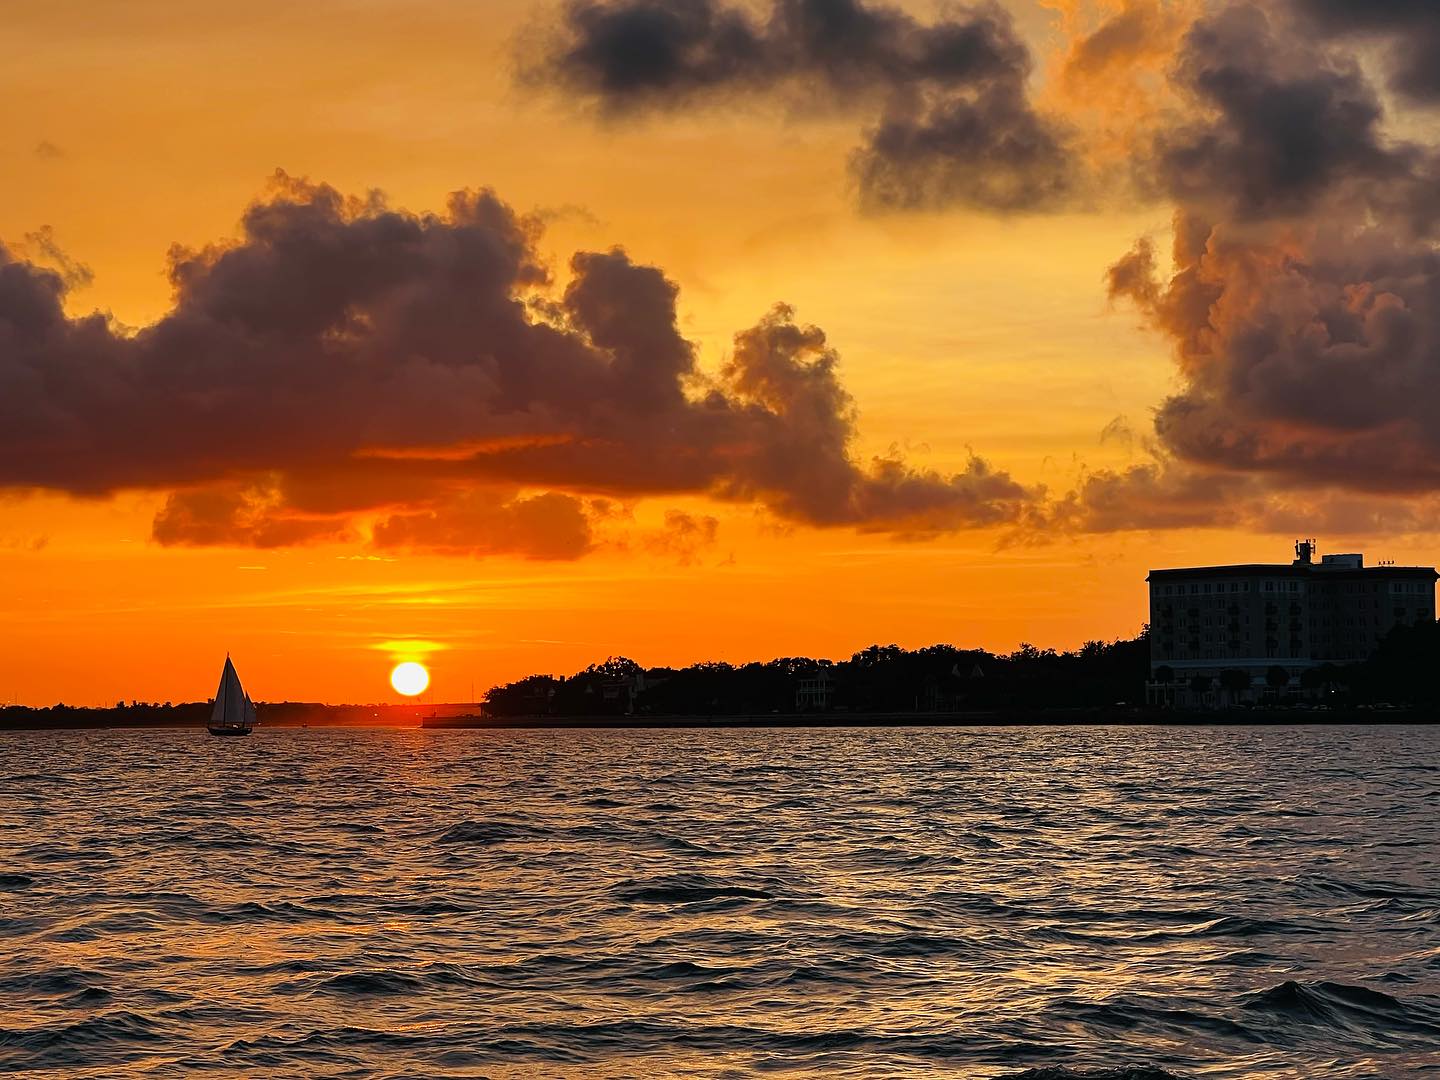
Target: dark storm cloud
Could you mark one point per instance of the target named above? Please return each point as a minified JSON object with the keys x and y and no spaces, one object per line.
{"x":344,"y":357}
{"x":648,"y":53}
{"x":1302,"y":295}
{"x":1410,"y":29}
{"x":1313,"y":356}
{"x":989,"y":149}
{"x":1281,"y":125}
{"x":954,"y":126}
{"x":635,"y":54}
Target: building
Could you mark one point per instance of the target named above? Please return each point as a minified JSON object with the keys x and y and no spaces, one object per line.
{"x":1218,"y":634}
{"x":815,"y":692}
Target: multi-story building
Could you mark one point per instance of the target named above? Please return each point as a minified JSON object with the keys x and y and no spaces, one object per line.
{"x":1208,"y":624}
{"x":815,"y":691}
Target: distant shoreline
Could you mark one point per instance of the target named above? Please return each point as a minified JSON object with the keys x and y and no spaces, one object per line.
{"x":997,"y":718}
{"x":287,"y":716}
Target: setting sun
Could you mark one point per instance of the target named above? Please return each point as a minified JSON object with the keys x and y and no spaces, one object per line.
{"x":410,"y":678}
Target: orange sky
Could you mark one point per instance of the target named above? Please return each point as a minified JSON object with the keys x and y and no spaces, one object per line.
{"x":129,"y":128}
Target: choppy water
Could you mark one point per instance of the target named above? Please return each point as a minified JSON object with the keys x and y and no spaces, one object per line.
{"x":1217,"y":902}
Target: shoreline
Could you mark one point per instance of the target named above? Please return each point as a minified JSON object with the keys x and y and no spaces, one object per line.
{"x":996,"y":718}
{"x":411,"y":718}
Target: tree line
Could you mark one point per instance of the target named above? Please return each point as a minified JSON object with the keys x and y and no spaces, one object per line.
{"x":881,"y":678}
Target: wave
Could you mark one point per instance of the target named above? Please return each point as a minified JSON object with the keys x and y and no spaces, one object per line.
{"x":86,"y":1042}
{"x":690,"y":889}
{"x":372,"y":984}
{"x":1129,"y":1072}
{"x":485,"y":832}
{"x":360,"y":828}
{"x":51,"y":982}
{"x":1339,"y":1005}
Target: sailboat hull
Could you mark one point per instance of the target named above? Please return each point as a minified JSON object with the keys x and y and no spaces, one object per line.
{"x":227,"y":730}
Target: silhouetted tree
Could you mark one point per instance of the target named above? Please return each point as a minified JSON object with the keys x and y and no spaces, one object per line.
{"x":881,"y":678}
{"x":1234,"y":682}
{"x":1402,"y":670}
{"x":531,"y":696}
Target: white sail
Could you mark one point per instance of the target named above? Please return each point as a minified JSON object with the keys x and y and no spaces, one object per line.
{"x":232,"y":706}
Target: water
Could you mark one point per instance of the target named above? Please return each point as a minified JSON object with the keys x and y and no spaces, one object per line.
{"x":306,"y":903}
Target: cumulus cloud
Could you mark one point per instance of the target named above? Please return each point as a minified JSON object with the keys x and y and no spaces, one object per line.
{"x":1280,"y":125}
{"x":954,"y":124}
{"x":989,"y":149}
{"x":344,"y":358}
{"x":1301,"y":292}
{"x":1312,"y":355}
{"x":635,"y":54}
{"x":1299,"y":296}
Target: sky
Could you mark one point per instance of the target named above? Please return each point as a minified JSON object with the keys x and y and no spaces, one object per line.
{"x":508,"y":336}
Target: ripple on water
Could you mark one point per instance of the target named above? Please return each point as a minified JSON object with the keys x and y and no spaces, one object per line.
{"x":1029,"y":903}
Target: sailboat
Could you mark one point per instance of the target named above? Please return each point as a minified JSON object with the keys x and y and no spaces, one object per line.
{"x":233,"y":713}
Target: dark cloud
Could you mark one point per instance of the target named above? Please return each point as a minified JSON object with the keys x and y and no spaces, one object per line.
{"x":635,"y":54}
{"x":481,"y":522}
{"x":1281,"y":125}
{"x":1302,"y":295}
{"x":1409,"y":28}
{"x":1162,"y":492}
{"x":647,"y":53}
{"x":1155,"y":494}
{"x":989,"y":149}
{"x":955,"y":124}
{"x":1312,"y":355}
{"x":244,"y":515}
{"x":48,"y":151}
{"x":344,"y":358}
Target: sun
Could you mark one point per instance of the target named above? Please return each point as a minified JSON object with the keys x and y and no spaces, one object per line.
{"x":410,"y":678}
